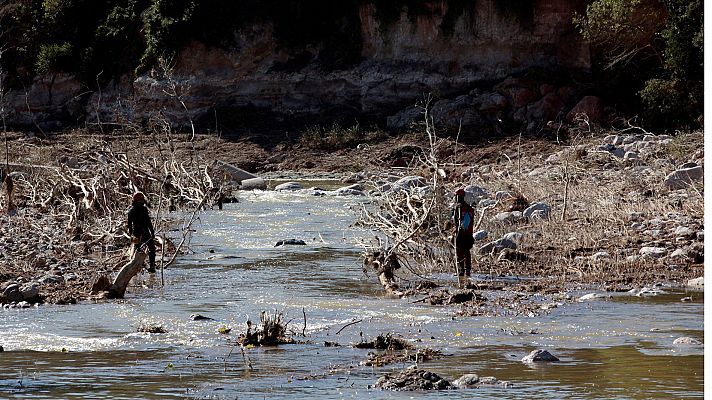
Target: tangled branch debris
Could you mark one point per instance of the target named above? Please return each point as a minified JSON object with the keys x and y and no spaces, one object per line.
{"x":272,"y":331}
{"x":71,"y":203}
{"x":409,"y":217}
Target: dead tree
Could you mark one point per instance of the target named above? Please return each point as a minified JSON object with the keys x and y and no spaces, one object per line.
{"x":127,"y":272}
{"x":409,"y":217}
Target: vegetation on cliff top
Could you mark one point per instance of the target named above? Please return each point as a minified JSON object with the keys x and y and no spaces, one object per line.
{"x":657,"y":45}
{"x":650,"y":51}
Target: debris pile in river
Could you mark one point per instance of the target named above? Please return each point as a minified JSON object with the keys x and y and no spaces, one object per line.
{"x":394,"y":350}
{"x":149,"y":328}
{"x":411,"y":379}
{"x":456,"y":297}
{"x":406,"y":356}
{"x":385,"y":342}
{"x":272,"y":331}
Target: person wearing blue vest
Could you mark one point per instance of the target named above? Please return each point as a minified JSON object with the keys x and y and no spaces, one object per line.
{"x":463,"y":220}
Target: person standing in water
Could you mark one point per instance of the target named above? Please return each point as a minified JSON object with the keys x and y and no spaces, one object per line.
{"x":141,"y":228}
{"x":463,"y":219}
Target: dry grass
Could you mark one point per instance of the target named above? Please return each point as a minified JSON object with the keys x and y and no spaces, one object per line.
{"x":604,"y":198}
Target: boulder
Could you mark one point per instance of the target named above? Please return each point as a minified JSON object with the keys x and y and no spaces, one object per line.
{"x":697,"y":283}
{"x":467,"y":381}
{"x":683,"y":231}
{"x":539,"y":215}
{"x":491,"y":103}
{"x":290,"y":242}
{"x":457,"y":113}
{"x":348,"y":192}
{"x":679,"y":253}
{"x":619,"y":152}
{"x":646,"y":291}
{"x":547,"y":108}
{"x":472,"y":381}
{"x":101,"y":284}
{"x":592,"y":106}
{"x":12,"y":293}
{"x":497,"y":246}
{"x":539,"y":356}
{"x":253,"y":184}
{"x":480,"y":235}
{"x":514,"y":237}
{"x":508,"y":217}
{"x":600,"y":256}
{"x":405,"y":118}
{"x":652,"y":252}
{"x":409,"y":182}
{"x":519,"y":91}
{"x":288,"y":186}
{"x":51,"y":279}
{"x":354,"y":178}
{"x":474,"y":193}
{"x":486,"y":203}
{"x":353,"y":190}
{"x":683,"y":178}
{"x":30,"y":291}
{"x":543,"y":207}
{"x":502,"y":194}
{"x":686,"y":340}
{"x":589,"y":297}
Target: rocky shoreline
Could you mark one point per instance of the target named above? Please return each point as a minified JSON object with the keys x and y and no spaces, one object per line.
{"x":643,"y":191}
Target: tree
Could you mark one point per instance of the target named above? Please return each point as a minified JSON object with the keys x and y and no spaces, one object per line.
{"x":670,"y":32}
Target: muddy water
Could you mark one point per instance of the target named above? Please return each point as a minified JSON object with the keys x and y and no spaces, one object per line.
{"x":615,"y":348}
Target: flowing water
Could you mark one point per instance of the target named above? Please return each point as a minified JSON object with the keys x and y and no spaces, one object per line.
{"x":616,"y":348}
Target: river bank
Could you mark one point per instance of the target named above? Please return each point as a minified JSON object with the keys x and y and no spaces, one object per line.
{"x":622,"y":211}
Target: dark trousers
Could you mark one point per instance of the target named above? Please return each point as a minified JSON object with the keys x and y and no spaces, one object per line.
{"x":151,"y":246}
{"x":464,"y":261}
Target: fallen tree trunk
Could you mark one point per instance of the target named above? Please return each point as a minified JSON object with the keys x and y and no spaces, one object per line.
{"x":385,"y":268}
{"x":128,"y":271}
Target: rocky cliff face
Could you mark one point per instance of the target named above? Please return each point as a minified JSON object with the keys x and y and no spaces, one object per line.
{"x":401,"y":61}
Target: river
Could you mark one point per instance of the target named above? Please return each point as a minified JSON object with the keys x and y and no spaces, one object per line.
{"x":615,"y":348}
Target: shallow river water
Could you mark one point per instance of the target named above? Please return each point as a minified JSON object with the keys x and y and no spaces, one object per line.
{"x":616,"y":348}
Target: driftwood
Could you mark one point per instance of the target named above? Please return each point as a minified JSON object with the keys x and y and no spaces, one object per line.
{"x":385,"y":267}
{"x":128,"y":271}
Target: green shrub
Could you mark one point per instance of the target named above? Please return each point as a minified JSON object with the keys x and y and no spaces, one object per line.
{"x":659,"y":45}
{"x":337,"y":137}
{"x":54,"y":58}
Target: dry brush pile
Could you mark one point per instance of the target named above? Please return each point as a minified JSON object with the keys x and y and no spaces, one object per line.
{"x":601,"y":207}
{"x":65,"y":215}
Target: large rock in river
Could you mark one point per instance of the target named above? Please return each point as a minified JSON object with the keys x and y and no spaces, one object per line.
{"x":289,"y":186}
{"x":539,"y":356}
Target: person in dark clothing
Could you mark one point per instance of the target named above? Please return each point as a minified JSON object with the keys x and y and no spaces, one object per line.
{"x":463,"y":219}
{"x":140,"y":227}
